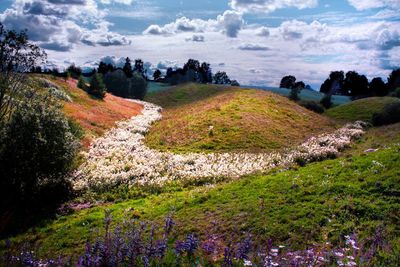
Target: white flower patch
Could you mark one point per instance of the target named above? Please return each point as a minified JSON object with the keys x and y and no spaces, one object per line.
{"x":121,"y":156}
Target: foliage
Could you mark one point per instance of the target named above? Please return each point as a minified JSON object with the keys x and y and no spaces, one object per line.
{"x":141,"y":244}
{"x":157,"y":75}
{"x":17,"y":55}
{"x":82,"y":83}
{"x":294,"y":94}
{"x":396,"y":93}
{"x":36,"y":152}
{"x":221,"y":78}
{"x":119,"y":84}
{"x":105,"y":68}
{"x":288,"y":82}
{"x":333,"y":85}
{"x":362,"y":109}
{"x":394,"y":80}
{"x":326,"y":101}
{"x":312,"y":105}
{"x":97,"y":87}
{"x":127,"y":69}
{"x":355,"y":84}
{"x":390,"y":114}
{"x":74,"y":71}
{"x":378,"y":87}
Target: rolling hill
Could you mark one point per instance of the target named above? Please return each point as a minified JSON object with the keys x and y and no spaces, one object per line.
{"x":203,"y":118}
{"x":361,"y":109}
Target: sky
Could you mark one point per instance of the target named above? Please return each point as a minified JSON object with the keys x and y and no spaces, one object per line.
{"x":256,"y":42}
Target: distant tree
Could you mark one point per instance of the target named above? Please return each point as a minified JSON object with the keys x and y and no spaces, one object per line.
{"x":74,"y":71}
{"x":97,"y":87}
{"x":288,"y":82}
{"x":169,"y":73}
{"x":117,"y":83}
{"x":102,"y":69}
{"x":394,"y":80}
{"x":82,"y":83}
{"x":334,"y":84}
{"x":235,"y":83}
{"x":205,"y":74}
{"x":355,"y":84}
{"x":128,"y":68}
{"x":138,"y":86}
{"x":139,"y":67}
{"x":378,"y":87}
{"x":326,"y":101}
{"x":294,"y":93}
{"x":300,"y":85}
{"x":221,"y":78}
{"x":192,"y":64}
{"x":157,"y":75}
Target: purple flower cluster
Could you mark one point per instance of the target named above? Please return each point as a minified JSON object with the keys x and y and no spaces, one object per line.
{"x":138,"y":245}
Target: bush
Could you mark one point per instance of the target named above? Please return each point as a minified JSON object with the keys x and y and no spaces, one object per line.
{"x":389,"y":115}
{"x":97,"y":87}
{"x":313,"y":106}
{"x":82,"y":84}
{"x":326,"y":101}
{"x":294,"y":94}
{"x":37,"y":150}
{"x":396,"y":93}
{"x":118,"y":84}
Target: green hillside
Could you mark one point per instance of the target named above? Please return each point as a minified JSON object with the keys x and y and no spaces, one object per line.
{"x":216,"y":118}
{"x":361,"y":109}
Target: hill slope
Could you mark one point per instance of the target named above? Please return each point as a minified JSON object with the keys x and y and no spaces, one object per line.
{"x":361,"y":109}
{"x":94,"y":116}
{"x":215,"y":118}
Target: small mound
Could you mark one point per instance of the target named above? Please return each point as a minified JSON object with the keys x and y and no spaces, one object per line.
{"x":209,"y":118}
{"x":361,"y":109}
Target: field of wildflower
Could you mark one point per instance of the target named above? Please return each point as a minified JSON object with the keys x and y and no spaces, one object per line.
{"x":121,"y":156}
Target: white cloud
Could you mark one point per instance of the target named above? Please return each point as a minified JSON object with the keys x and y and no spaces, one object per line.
{"x":268,"y":6}
{"x":230,"y":22}
{"x":253,"y":47}
{"x":58,"y":24}
{"x":125,"y":2}
{"x":263,"y":31}
{"x":368,"y":4}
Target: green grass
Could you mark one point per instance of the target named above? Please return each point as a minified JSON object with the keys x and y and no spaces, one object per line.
{"x":362,"y":109}
{"x":319,"y":202}
{"x":209,"y":118}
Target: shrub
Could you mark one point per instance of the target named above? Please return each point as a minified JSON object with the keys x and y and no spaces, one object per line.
{"x":138,"y":86}
{"x":294,"y":94}
{"x":97,"y":87}
{"x":37,"y":149}
{"x":81,"y":83}
{"x":313,"y":106}
{"x":326,"y":101}
{"x":396,"y":93}
{"x":389,"y":115}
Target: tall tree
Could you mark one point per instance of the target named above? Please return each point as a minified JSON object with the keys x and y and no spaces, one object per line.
{"x":97,"y":87}
{"x":17,"y":56}
{"x":128,"y":68}
{"x":288,"y":82}
{"x":394,"y":80}
{"x":157,"y":75}
{"x":221,"y":78}
{"x":139,"y":67}
{"x":355,"y":84}
{"x":378,"y":87}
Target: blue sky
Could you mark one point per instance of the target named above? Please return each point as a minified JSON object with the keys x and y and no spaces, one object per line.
{"x":255,"y":41}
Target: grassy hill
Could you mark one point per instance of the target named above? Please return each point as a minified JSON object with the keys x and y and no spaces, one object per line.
{"x":94,"y":116}
{"x":305,"y":94}
{"x":322,"y":201}
{"x":216,"y":118}
{"x":361,"y":109}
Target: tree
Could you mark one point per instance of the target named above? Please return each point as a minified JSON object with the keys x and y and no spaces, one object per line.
{"x":82,"y":83}
{"x":326,"y":101}
{"x":300,"y":85}
{"x":128,"y":68}
{"x":17,"y":56}
{"x":221,"y":78}
{"x":139,"y":68}
{"x":394,"y":80}
{"x":288,"y":82}
{"x":355,"y":84}
{"x":294,"y":94}
{"x":117,"y":83}
{"x":235,"y":83}
{"x":104,"y":68}
{"x":138,"y":86}
{"x":334,"y":84}
{"x":192,"y":64}
{"x":97,"y":87}
{"x":74,"y":71}
{"x":378,"y":87}
{"x":157,"y":75}
{"x":205,"y":74}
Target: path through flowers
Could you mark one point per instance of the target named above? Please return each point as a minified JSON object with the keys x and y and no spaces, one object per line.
{"x":121,"y":156}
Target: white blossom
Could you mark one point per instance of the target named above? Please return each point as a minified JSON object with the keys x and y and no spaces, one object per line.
{"x":121,"y":156}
